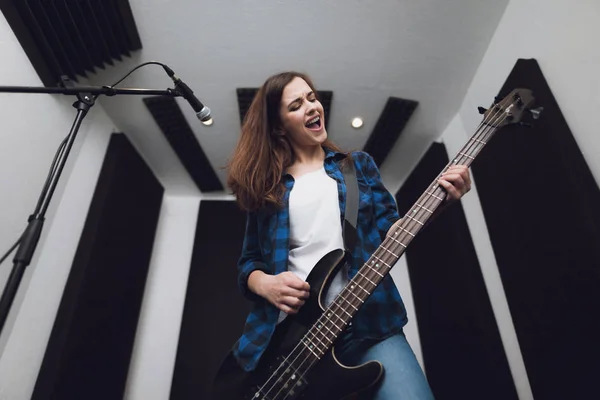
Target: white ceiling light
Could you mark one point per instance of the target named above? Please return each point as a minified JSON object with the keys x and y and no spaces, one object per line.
{"x":357,"y":122}
{"x":208,"y":122}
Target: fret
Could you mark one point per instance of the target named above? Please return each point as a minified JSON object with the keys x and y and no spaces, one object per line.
{"x":363,"y":289}
{"x":406,"y":231}
{"x":361,"y":274}
{"x":377,"y":265}
{"x":359,"y":299}
{"x":416,"y":220}
{"x":437,"y":197}
{"x":316,"y":337}
{"x":334,"y":324}
{"x":350,"y":304}
{"x":466,"y":155}
{"x":309,"y":348}
{"x":480,"y":141}
{"x":426,"y":209}
{"x":399,"y":242}
{"x":337,"y":316}
{"x":389,"y":251}
{"x":324,"y":325}
{"x":377,"y":272}
{"x":342,"y":308}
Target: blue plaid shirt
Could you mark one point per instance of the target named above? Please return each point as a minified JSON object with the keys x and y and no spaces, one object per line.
{"x":266,"y":248}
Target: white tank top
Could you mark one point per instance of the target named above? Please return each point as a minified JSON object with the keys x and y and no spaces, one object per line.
{"x":315,"y":227}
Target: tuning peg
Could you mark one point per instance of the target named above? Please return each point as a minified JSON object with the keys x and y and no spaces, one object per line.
{"x":535,"y":113}
{"x":481,"y":110}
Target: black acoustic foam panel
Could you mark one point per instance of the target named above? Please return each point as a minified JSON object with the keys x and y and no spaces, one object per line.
{"x":461,"y":345}
{"x":214,"y":311}
{"x":541,"y":206}
{"x":389,"y":126}
{"x":167,"y":114}
{"x":72,"y":37}
{"x":90,"y":346}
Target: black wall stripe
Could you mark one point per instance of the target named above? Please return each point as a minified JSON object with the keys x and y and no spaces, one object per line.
{"x":461,"y":345}
{"x":389,"y":126}
{"x":246,"y":95}
{"x":541,"y":206}
{"x":214,"y":311}
{"x":90,"y":346}
{"x":72,"y":37}
{"x":179,"y":134}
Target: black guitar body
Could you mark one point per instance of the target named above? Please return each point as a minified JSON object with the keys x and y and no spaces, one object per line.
{"x":328,"y":379}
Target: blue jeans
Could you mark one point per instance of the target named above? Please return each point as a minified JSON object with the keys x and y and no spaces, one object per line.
{"x":403,"y":378}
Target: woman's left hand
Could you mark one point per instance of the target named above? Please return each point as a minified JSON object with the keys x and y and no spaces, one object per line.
{"x":457,"y":182}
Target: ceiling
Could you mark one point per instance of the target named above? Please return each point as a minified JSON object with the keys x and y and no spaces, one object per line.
{"x":362,"y":51}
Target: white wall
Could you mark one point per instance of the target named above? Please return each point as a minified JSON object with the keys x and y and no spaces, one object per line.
{"x":561,"y":36}
{"x":32,"y":128}
{"x":155,"y":350}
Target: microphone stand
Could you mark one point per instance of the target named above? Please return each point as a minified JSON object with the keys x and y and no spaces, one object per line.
{"x":86,"y":96}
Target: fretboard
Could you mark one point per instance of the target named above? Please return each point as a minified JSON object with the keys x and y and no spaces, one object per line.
{"x":339,"y":313}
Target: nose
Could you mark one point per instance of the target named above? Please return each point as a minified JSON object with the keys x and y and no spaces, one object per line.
{"x":311,"y":108}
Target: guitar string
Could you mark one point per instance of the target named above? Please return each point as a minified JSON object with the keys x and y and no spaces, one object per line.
{"x":464,"y":153}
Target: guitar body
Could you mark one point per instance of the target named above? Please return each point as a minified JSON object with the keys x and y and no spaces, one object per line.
{"x":328,"y":379}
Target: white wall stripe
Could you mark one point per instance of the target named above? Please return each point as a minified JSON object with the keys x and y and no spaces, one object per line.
{"x":155,"y":349}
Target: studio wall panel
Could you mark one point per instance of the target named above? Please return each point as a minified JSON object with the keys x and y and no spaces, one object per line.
{"x":462,"y":350}
{"x":72,"y":37}
{"x":90,"y":346}
{"x":214,"y":310}
{"x":541,"y":206}
{"x":390,"y":124}
{"x":173,"y":125}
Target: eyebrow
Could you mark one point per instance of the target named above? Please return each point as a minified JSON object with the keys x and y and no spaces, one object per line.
{"x":300,"y":98}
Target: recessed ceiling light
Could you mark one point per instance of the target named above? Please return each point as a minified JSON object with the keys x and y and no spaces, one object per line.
{"x":357,"y":122}
{"x":208,"y":122}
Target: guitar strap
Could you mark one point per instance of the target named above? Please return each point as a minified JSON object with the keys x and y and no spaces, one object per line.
{"x":351,"y":212}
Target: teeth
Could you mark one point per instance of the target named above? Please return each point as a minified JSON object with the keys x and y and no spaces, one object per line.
{"x":312,"y":121}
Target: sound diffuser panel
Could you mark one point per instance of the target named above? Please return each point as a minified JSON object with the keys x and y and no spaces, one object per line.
{"x":461,"y":345}
{"x":72,"y":37}
{"x":90,"y":346}
{"x":540,"y":203}
{"x":167,"y":114}
{"x":390,"y":124}
{"x":215,"y":310}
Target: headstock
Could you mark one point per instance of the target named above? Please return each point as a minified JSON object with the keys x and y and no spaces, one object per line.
{"x":511,"y":109}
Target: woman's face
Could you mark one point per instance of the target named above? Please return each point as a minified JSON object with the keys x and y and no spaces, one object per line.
{"x":302,"y":115}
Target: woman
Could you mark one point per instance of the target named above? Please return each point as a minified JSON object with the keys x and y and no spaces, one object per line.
{"x":286,"y":174}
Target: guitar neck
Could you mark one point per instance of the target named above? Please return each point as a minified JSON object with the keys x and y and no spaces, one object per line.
{"x":335,"y":318}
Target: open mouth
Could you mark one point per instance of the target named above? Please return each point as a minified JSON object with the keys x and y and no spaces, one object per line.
{"x":314,"y":123}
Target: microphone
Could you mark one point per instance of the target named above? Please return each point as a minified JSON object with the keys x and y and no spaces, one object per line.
{"x":202,"y":112}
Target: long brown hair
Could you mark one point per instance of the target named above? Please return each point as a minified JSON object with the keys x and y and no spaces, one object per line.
{"x":263,"y":153}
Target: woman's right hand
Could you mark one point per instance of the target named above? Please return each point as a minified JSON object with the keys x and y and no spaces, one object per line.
{"x":285,"y":291}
